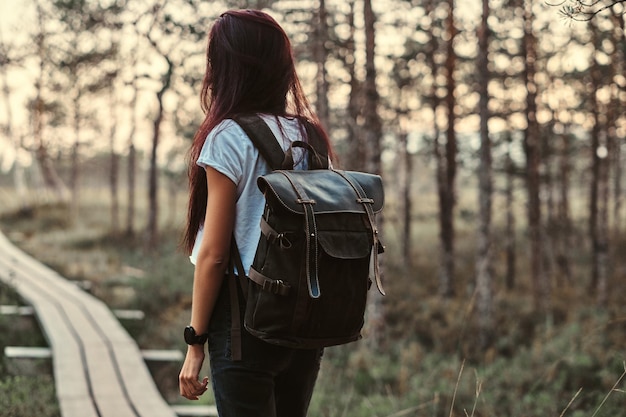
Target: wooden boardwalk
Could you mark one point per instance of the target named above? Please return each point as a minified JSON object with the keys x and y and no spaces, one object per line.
{"x":99,"y":370}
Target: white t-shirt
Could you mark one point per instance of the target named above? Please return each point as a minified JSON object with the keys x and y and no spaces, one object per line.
{"x":229,"y":151}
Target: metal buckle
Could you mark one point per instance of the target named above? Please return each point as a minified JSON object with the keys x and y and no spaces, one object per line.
{"x":273,"y":286}
{"x":283,"y":241}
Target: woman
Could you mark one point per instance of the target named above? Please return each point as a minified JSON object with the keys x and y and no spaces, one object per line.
{"x":250,"y":69}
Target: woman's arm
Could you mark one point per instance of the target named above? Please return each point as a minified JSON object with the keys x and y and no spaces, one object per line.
{"x":211,"y":265}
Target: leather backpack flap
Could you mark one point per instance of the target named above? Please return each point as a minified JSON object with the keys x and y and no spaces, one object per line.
{"x":339,"y":216}
{"x":330,"y":192}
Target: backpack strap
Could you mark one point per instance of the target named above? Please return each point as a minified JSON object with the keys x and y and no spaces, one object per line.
{"x":367,"y":202}
{"x":315,"y":159}
{"x":235,"y":309}
{"x":310,"y":231}
{"x":264,"y":140}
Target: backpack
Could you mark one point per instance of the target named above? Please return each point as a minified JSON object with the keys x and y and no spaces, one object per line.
{"x":307,"y":286}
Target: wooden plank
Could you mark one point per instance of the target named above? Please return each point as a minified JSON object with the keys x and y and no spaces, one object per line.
{"x":8,"y":310}
{"x":105,"y":386}
{"x":70,"y":380}
{"x":195,"y":410}
{"x":162,"y":355}
{"x":129,"y":314}
{"x":27,"y":352}
{"x":99,"y":370}
{"x":77,"y":406}
{"x":134,"y":371}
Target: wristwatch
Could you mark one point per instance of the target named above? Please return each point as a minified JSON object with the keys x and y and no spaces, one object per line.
{"x":191,"y":338}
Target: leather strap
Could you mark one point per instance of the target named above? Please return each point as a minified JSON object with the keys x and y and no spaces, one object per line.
{"x":275,"y":286}
{"x":367,"y":205}
{"x":273,"y":236}
{"x":264,"y":140}
{"x":235,"y":312}
{"x":319,"y":160}
{"x":235,"y":256}
{"x":235,"y":315}
{"x":235,"y":319}
{"x":310,"y":229}
{"x":316,"y":159}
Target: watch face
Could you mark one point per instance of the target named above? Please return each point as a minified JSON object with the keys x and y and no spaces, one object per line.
{"x":190,"y":335}
{"x":191,"y":338}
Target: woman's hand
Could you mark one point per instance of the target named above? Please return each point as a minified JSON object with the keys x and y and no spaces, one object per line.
{"x":189,"y":378}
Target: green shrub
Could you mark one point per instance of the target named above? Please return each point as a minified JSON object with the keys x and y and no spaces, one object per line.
{"x":28,"y":396}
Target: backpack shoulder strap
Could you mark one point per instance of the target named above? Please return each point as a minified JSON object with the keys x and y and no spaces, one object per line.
{"x":264,"y":140}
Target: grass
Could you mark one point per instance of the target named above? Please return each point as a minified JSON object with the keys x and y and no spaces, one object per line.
{"x":26,"y":386}
{"x":17,"y":399}
{"x":536,"y":382}
{"x":568,"y":363}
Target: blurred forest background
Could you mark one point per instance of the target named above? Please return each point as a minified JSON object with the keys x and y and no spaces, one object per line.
{"x":497,"y":125}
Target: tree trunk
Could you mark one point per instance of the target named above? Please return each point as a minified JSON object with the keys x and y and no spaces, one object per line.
{"x":404,"y":189}
{"x":619,"y":58}
{"x":532,"y":149}
{"x":373,"y":135}
{"x":355,"y":140}
{"x":616,"y":163}
{"x":447,"y":190}
{"x":114,"y":167}
{"x":614,"y":141}
{"x":173,"y":187}
{"x":75,"y":167}
{"x":550,"y":229}
{"x":373,"y":124}
{"x":52,"y":181}
{"x":130,"y":210}
{"x":598,"y":219}
{"x":131,"y":168}
{"x":484,"y":298}
{"x":153,"y":208}
{"x":563,"y":210}
{"x":321,"y":53}
{"x":598,"y":201}
{"x":510,"y":241}
{"x":603,"y":245}
{"x":153,"y":179}
{"x":431,"y":50}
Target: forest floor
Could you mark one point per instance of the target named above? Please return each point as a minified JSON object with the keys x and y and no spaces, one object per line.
{"x":569,"y":361}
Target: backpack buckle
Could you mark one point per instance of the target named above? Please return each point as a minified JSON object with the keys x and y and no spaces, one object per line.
{"x":281,"y":238}
{"x":305,"y":201}
{"x":277,"y":287}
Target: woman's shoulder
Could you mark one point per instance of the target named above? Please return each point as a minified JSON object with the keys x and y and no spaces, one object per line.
{"x":226,"y":141}
{"x":227,"y":134}
{"x":227,"y":127}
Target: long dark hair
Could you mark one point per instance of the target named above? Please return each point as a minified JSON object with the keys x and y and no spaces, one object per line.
{"x":249,"y":69}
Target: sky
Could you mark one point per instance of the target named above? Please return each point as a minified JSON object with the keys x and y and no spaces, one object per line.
{"x":11,"y":11}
